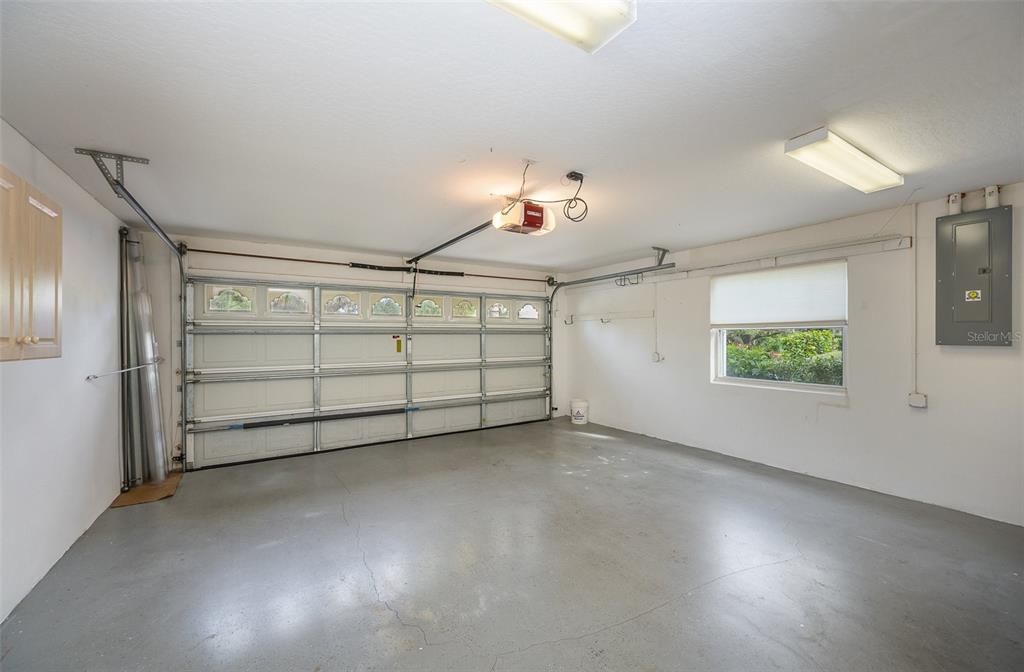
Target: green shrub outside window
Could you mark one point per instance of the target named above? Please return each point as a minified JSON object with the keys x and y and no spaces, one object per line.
{"x":807,"y":355}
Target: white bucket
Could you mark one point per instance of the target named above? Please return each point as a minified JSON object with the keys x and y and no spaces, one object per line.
{"x":578,"y":411}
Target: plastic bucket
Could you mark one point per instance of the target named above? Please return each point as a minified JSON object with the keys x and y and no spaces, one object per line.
{"x":578,"y":410}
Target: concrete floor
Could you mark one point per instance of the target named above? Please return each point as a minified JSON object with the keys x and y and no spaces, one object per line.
{"x":526,"y":548}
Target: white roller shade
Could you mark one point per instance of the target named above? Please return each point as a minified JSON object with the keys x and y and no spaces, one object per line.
{"x":810,"y":294}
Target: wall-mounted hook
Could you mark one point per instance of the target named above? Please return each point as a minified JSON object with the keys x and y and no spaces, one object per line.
{"x":570,"y":321}
{"x":605,"y":321}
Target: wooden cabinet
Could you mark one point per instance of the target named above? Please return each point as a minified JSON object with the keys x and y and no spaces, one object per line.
{"x":10,"y":283}
{"x":30,"y":283}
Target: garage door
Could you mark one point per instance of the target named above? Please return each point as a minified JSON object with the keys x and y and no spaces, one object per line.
{"x":279,"y":368}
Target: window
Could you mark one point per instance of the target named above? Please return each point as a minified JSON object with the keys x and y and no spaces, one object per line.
{"x":427,"y":306}
{"x":798,"y":355}
{"x":289,"y":300}
{"x":229,"y":299}
{"x":387,"y":305}
{"x":528,"y":312}
{"x":498,"y":311}
{"x":781,"y":327}
{"x":465,"y":308}
{"x":340,"y":304}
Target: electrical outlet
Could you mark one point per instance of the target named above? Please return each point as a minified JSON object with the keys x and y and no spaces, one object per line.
{"x":917,"y":400}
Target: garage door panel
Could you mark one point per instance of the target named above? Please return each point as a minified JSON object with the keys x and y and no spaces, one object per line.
{"x":213,"y":448}
{"x":288,"y":350}
{"x":278,"y":364}
{"x":435,"y":384}
{"x":342,"y":433}
{"x":249,"y":397}
{"x":434,"y":347}
{"x":353,"y":349}
{"x":441,"y":420}
{"x":351,"y":390}
{"x":234,"y":351}
{"x":516,"y":379}
{"x":521,"y":410}
{"x":515,"y":345}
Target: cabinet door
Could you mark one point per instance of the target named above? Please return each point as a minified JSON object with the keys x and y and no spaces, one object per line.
{"x":11,"y":197}
{"x":41,"y":275}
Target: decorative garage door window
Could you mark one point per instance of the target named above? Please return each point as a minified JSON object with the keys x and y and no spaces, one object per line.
{"x":229,"y":299}
{"x":340,"y":304}
{"x":428,"y":306}
{"x":296,"y":301}
{"x":529,"y":312}
{"x":465,"y":308}
{"x":498,"y":311}
{"x":386,"y":305}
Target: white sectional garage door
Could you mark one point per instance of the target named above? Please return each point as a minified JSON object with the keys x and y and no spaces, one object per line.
{"x":278,"y":368}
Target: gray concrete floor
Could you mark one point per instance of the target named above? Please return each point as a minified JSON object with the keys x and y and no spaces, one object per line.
{"x":526,"y":548}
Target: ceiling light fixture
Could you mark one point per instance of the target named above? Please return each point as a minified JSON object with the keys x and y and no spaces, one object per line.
{"x":589,"y":24}
{"x":825,"y":151}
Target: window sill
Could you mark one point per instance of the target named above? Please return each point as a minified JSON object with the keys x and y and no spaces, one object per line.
{"x":806,"y":388}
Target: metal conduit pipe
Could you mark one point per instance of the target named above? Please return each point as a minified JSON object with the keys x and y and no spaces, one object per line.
{"x":584,"y":281}
{"x":182,"y":351}
{"x":126,"y":441}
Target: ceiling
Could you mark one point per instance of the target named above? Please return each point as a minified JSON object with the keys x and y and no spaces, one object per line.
{"x":388,"y":126}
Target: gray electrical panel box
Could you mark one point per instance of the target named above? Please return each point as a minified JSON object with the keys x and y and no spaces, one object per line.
{"x":973,"y":278}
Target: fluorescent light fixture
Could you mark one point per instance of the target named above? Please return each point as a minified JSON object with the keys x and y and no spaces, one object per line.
{"x":824,"y":150}
{"x":589,"y":24}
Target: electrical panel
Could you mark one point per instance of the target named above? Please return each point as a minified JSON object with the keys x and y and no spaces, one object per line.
{"x":973,"y":278}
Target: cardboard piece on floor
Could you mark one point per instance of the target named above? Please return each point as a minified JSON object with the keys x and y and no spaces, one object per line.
{"x":149,"y":492}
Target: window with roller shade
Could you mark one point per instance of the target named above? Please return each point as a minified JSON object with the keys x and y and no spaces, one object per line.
{"x":784,"y":326}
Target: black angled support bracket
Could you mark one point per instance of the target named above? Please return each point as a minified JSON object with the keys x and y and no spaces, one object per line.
{"x":661,"y":252}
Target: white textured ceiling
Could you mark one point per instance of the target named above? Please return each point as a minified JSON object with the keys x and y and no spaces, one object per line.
{"x":386,"y":126}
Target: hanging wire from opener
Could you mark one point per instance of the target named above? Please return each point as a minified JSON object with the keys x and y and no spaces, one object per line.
{"x":574,"y":209}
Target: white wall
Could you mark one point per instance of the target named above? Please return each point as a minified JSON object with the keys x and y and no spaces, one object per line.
{"x":965,"y":451}
{"x":59,"y":442}
{"x":163,"y":284}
